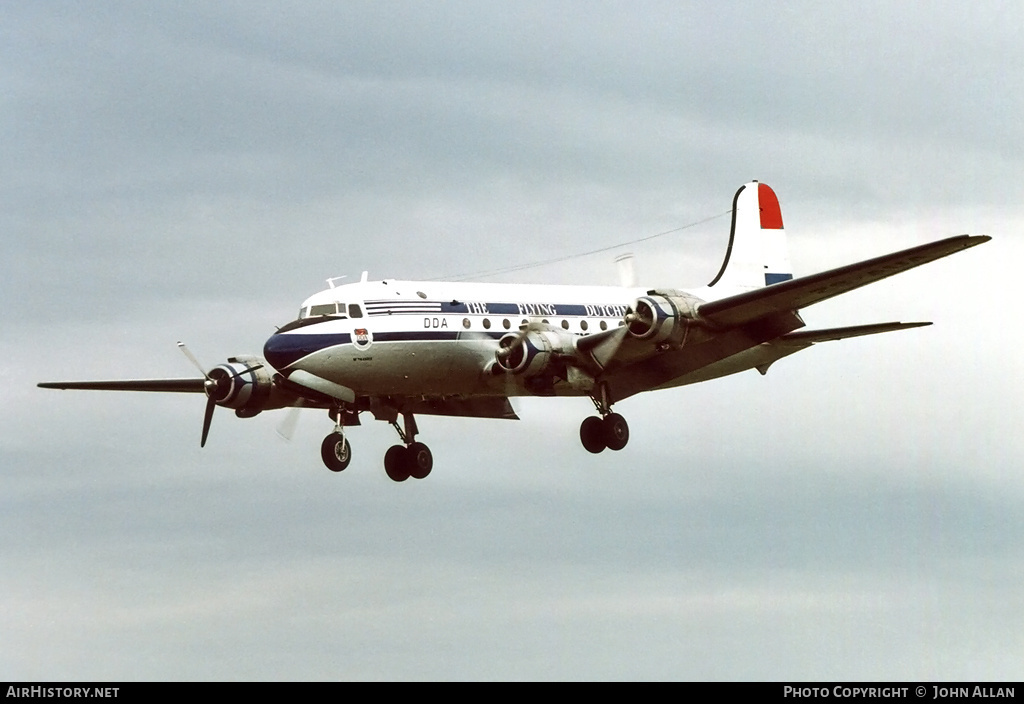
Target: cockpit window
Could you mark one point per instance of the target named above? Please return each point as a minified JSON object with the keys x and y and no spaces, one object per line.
{"x":324,"y":309}
{"x":336,"y":309}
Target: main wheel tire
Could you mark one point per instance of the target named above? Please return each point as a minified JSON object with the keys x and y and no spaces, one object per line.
{"x":592,"y":434}
{"x":395,"y":463}
{"x":335,"y":452}
{"x":615,"y":430}
{"x":419,"y":460}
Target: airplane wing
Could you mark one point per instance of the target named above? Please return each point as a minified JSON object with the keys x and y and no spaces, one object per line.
{"x":302,"y":383}
{"x":770,"y":312}
{"x":807,"y":290}
{"x":191,"y":386}
{"x":480,"y":407}
{"x":755,"y":328}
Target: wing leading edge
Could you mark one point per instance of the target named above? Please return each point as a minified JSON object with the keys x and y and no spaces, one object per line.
{"x":188,"y":386}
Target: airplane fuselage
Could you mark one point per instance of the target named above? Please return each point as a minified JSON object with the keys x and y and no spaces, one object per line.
{"x":427,"y":338}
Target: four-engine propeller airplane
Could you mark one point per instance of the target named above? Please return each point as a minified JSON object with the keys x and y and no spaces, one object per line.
{"x":397,"y":349}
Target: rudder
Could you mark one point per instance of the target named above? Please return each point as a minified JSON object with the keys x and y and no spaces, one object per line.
{"x":757,"y":255}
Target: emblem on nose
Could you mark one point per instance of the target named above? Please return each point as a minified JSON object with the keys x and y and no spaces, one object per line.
{"x":362,"y":338}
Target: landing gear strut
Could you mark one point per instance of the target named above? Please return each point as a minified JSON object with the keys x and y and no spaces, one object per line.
{"x":413,"y":459}
{"x":610,"y":430}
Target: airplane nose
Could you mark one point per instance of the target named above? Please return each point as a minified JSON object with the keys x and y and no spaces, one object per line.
{"x":284,"y":350}
{"x":272,"y":352}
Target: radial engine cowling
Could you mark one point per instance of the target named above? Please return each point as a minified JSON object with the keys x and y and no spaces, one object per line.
{"x":245,"y":383}
{"x":662,"y":316}
{"x":533,"y":352}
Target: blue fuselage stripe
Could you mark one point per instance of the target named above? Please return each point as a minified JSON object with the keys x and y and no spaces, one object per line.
{"x":376,"y":308}
{"x":286,"y":349}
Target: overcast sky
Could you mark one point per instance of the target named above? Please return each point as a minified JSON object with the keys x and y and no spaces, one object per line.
{"x":195,"y":170}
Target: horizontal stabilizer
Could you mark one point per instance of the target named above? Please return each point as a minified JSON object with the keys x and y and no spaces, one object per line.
{"x":799,"y":293}
{"x":191,"y":386}
{"x":804,"y":337}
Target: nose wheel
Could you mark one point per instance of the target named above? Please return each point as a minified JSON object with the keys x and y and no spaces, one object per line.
{"x":336,"y":452}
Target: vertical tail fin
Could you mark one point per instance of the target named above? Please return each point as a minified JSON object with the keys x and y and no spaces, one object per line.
{"x":757,"y":255}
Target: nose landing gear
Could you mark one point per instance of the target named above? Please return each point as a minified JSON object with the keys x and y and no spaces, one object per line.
{"x":335,"y":450}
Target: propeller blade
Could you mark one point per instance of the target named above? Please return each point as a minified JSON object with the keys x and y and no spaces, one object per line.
{"x":511,"y":385}
{"x":192,"y":358}
{"x":207,"y":417}
{"x":286,"y":428}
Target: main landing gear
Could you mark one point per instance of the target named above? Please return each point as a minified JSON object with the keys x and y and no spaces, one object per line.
{"x":610,"y":430}
{"x":411,"y":459}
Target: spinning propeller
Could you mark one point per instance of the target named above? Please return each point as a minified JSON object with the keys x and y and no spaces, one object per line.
{"x":217,"y":385}
{"x":286,"y":428}
{"x":507,"y":345}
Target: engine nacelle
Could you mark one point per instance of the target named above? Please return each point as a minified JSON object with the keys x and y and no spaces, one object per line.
{"x":532,"y":353}
{"x":662,"y":316}
{"x":245,"y":383}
